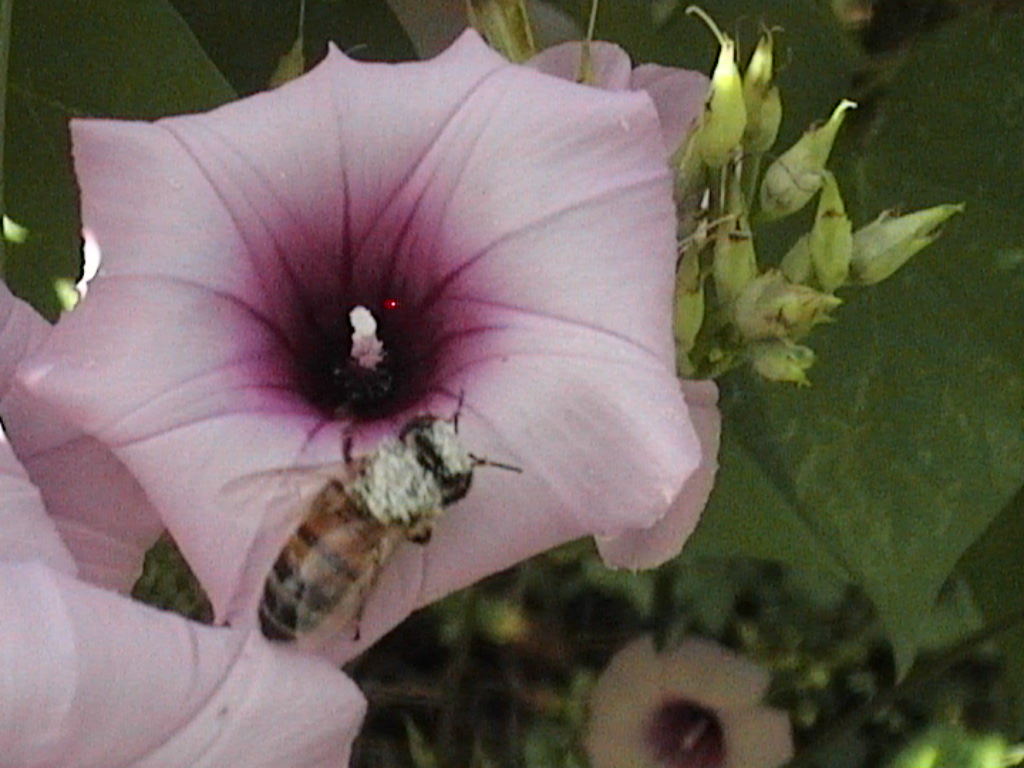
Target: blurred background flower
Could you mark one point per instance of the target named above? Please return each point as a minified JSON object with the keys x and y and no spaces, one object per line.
{"x":696,"y":705}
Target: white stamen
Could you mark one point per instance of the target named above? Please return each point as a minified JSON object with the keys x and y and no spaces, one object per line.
{"x":367,"y":349}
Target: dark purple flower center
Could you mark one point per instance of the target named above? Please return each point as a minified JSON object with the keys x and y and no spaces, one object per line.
{"x":682,"y":734}
{"x":334,"y":381}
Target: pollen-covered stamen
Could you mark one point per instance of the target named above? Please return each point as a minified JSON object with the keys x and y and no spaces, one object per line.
{"x":367,"y":349}
{"x":362,"y":379}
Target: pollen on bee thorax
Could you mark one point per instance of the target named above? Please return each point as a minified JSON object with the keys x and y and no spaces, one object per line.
{"x":395,"y":489}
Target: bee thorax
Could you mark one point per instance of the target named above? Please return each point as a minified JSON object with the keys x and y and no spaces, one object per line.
{"x":395,"y":488}
{"x":439,"y":451}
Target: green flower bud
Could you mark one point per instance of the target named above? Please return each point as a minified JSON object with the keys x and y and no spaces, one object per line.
{"x":690,"y":171}
{"x":725,"y":115}
{"x":793,"y":179}
{"x":772,"y":307}
{"x":13,"y":231}
{"x":688,"y":319}
{"x":689,"y":308}
{"x":831,"y":240}
{"x":781,"y":360}
{"x":796,"y":264}
{"x":735,"y":263}
{"x":761,"y":98}
{"x":888,"y":242}
{"x":505,"y":25}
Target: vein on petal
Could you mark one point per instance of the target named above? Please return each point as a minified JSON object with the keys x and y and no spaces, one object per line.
{"x":605,"y":333}
{"x":597,"y":198}
{"x":428,"y":151}
{"x":242,"y":231}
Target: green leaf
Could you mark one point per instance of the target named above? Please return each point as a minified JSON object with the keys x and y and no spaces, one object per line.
{"x":116,"y":58}
{"x":749,"y":515}
{"x":994,"y":567}
{"x":890,"y":466}
{"x":113,"y":58}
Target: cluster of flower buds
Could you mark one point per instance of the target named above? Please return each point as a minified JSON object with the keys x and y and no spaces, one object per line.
{"x":729,"y":309}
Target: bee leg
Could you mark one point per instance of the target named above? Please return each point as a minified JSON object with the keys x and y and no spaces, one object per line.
{"x":458,"y":410}
{"x":346,"y":447}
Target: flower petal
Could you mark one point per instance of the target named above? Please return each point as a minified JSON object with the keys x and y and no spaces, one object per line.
{"x":26,"y":531}
{"x":100,"y":511}
{"x":92,"y":678}
{"x":678,"y":95}
{"x":611,"y":65}
{"x":22,"y":330}
{"x":713,"y":676}
{"x":639,"y":681}
{"x":650,"y":547}
{"x":625,"y":696}
{"x":759,"y":737}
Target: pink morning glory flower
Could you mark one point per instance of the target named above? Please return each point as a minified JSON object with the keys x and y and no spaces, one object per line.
{"x":512,"y":236}
{"x":94,"y":678}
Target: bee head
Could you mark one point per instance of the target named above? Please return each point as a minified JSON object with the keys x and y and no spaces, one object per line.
{"x":437,"y":448}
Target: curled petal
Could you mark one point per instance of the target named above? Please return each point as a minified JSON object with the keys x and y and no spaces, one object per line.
{"x":100,"y":512}
{"x":92,"y":678}
{"x":678,"y":96}
{"x":22,"y":330}
{"x":26,"y":531}
{"x":650,"y":547}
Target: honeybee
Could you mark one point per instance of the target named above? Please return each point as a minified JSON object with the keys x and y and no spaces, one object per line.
{"x":352,"y":526}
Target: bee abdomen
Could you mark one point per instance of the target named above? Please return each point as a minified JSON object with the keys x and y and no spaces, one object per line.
{"x":277,"y":619}
{"x":310,"y":579}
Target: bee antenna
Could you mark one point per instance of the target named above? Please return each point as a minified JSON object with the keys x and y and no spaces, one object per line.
{"x":481,"y":462}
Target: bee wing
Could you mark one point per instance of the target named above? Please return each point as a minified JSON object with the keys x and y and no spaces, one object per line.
{"x":295,"y":485}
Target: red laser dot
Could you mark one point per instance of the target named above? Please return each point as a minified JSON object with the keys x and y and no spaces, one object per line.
{"x":390,"y":303}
